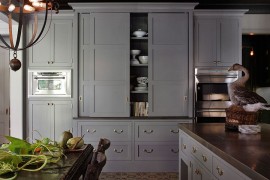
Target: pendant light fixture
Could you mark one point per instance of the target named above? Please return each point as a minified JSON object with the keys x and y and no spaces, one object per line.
{"x":21,"y":9}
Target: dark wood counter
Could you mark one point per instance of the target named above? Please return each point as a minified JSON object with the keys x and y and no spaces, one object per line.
{"x":70,"y":167}
{"x":249,"y":153}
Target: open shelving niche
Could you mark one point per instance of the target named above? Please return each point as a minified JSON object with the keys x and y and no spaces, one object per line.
{"x":138,"y":99}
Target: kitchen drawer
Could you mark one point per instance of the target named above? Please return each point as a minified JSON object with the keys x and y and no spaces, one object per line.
{"x":202,"y":154}
{"x":120,"y":151}
{"x":224,"y":171}
{"x":185,"y":144}
{"x":114,"y":131}
{"x":199,"y":172}
{"x":156,"y":131}
{"x":156,"y":151}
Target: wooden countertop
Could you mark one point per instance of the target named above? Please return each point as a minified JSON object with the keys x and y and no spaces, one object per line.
{"x":249,"y":153}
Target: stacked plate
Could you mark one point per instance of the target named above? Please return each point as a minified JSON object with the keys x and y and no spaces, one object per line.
{"x":141,"y":87}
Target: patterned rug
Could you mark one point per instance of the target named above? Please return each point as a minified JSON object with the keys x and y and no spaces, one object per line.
{"x":138,"y":176}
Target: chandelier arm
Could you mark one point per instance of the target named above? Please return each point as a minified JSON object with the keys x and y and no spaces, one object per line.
{"x":43,"y":27}
{"x":20,"y":25}
{"x":3,"y":40}
{"x":34,"y":32}
{"x":10,"y":31}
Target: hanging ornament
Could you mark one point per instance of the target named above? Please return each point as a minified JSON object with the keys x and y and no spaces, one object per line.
{"x":15,"y":64}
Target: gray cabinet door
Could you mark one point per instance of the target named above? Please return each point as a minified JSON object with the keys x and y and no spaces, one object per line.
{"x":40,"y":120}
{"x":217,"y":41}
{"x":104,"y":64}
{"x":230,"y":38}
{"x":206,"y":42}
{"x":49,"y":118}
{"x":168,"y":65}
{"x":62,"y":114}
{"x":55,"y":49}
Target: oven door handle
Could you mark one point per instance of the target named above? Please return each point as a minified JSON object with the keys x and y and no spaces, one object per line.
{"x":211,"y":110}
{"x":49,"y":78}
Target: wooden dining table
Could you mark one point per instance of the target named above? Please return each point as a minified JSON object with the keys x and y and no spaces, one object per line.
{"x":70,"y":167}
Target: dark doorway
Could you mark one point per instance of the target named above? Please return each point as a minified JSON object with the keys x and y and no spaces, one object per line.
{"x":258,"y":64}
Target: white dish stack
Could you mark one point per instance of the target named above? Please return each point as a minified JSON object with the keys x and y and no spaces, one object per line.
{"x":142,"y":84}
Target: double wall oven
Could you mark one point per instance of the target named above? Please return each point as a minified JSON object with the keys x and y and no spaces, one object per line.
{"x":211,"y":94}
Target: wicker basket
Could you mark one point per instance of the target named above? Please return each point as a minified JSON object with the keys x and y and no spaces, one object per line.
{"x":236,"y":115}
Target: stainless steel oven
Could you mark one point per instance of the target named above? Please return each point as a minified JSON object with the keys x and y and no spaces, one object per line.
{"x":211,"y":94}
{"x":49,"y":83}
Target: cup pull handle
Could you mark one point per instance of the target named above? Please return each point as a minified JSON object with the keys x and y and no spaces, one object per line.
{"x":148,"y":131}
{"x":175,"y":132}
{"x":118,"y":132}
{"x":120,"y":151}
{"x":175,"y":151}
{"x":93,"y":131}
{"x":148,"y":151}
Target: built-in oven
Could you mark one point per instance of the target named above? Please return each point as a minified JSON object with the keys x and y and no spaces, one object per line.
{"x":211,"y":94}
{"x":49,"y":83}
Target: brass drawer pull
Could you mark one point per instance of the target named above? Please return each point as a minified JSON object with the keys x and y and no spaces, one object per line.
{"x":148,"y":132}
{"x":204,"y":158}
{"x":93,"y":131}
{"x":118,"y":132}
{"x":194,"y":150}
{"x":175,"y":151}
{"x":184,"y":146}
{"x":115,"y":150}
{"x":220,"y":172}
{"x":148,"y":151}
{"x":175,"y":132}
{"x":197,"y":171}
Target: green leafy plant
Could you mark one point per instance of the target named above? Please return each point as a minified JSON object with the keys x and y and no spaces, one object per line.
{"x":21,"y":155}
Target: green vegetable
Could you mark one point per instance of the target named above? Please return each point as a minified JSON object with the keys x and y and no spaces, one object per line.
{"x":19,"y":155}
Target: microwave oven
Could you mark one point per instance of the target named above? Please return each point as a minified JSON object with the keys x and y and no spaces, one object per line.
{"x":49,"y":83}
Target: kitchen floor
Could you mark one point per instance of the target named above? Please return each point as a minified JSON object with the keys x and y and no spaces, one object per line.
{"x":139,"y":176}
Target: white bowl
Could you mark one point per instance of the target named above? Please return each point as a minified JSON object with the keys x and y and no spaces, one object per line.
{"x":134,"y":62}
{"x":143,"y":59}
{"x":135,"y":52}
{"x":142,"y":80}
{"x":139,"y":33}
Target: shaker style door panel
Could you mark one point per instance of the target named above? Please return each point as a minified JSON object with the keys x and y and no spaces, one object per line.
{"x":168,"y":64}
{"x":40,"y":120}
{"x":168,"y":99}
{"x":56,"y":48}
{"x":165,"y":61}
{"x":229,"y":41}
{"x":62,"y":42}
{"x":62,"y":117}
{"x":206,"y":42}
{"x":109,"y":100}
{"x":104,"y":64}
{"x":40,"y":53}
{"x":110,"y":28}
{"x":110,"y":63}
{"x":168,"y":28}
{"x":86,"y":93}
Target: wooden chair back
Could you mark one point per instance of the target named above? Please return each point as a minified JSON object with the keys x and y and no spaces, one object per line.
{"x":103,"y":145}
{"x":95,"y":167}
{"x":98,"y":160}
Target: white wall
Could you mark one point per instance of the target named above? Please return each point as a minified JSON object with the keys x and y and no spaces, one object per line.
{"x":256,"y":24}
{"x":16,"y":88}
